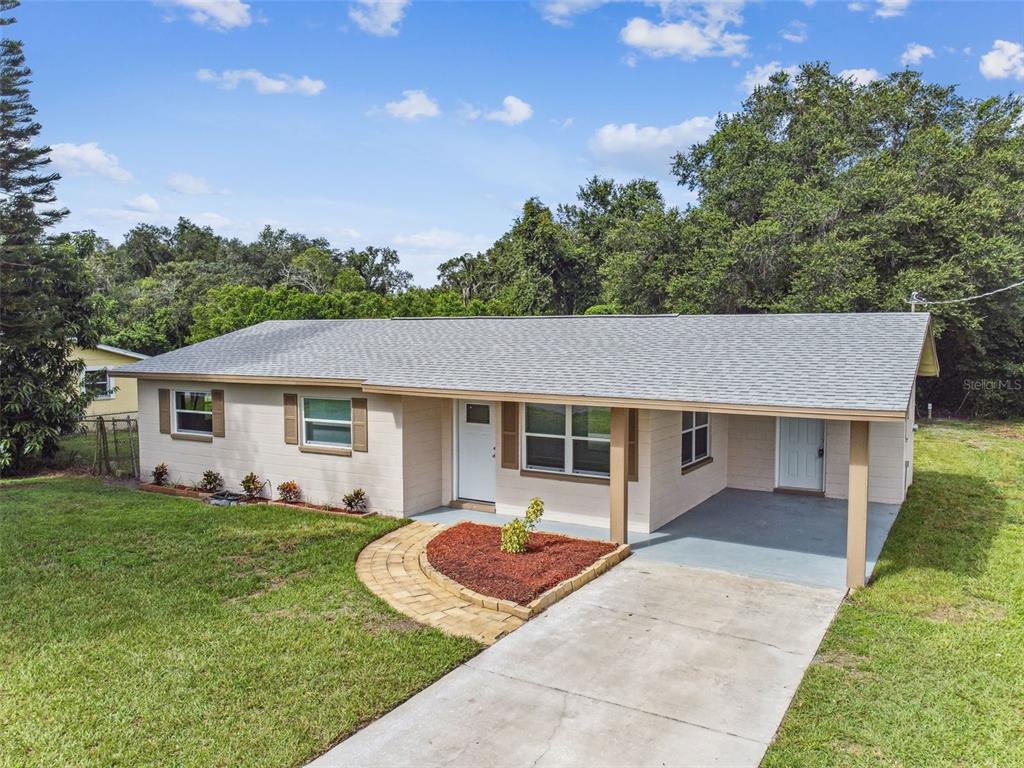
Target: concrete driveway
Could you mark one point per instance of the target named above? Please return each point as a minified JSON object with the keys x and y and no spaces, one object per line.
{"x":653,"y":664}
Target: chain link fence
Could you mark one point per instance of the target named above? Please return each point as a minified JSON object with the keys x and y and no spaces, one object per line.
{"x":103,"y":445}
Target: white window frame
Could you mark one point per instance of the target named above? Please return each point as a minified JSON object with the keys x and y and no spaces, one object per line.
{"x":692,"y":432}
{"x":566,"y":438}
{"x":336,"y":422}
{"x":110,"y":381}
{"x":175,"y":410}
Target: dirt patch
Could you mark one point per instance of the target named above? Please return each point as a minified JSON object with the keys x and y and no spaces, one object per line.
{"x":975,"y":609}
{"x":847,"y":661}
{"x":471,"y":555}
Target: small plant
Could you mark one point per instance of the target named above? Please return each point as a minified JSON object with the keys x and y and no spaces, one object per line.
{"x":289,"y":491}
{"x":160,"y":473}
{"x":516,"y":534}
{"x":355,"y":501}
{"x":252,"y":485}
{"x":211,"y":481}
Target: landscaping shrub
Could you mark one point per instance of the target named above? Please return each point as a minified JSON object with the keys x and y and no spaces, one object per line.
{"x":160,"y":473}
{"x":355,"y":501}
{"x":211,"y":481}
{"x":515,"y":534}
{"x":252,"y":485}
{"x":289,"y":491}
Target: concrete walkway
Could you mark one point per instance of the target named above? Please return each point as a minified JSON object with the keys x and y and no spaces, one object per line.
{"x":653,"y":664}
{"x":390,"y":568}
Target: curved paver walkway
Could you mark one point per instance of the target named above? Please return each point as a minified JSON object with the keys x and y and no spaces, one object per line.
{"x":390,"y":568}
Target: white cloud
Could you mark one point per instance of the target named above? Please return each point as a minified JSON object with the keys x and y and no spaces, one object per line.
{"x":217,"y":14}
{"x":810,"y":3}
{"x":915,"y":53}
{"x":208,"y":219}
{"x":561,"y":12}
{"x":436,"y":239}
{"x":703,"y":33}
{"x":885,"y":9}
{"x":378,"y":17}
{"x":563,"y":123}
{"x":513,"y":112}
{"x":143,"y":203}
{"x":87,"y":159}
{"x":648,"y":147}
{"x":759,"y":75}
{"x":795,"y":32}
{"x":187,"y":184}
{"x":230,"y":79}
{"x":1006,"y":59}
{"x":414,"y":106}
{"x":888,"y":8}
{"x":860,"y":76}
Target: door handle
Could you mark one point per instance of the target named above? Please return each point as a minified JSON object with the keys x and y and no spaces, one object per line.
{"x":821,"y":452}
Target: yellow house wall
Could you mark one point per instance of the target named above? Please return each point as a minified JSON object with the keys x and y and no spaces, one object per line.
{"x":126,"y":393}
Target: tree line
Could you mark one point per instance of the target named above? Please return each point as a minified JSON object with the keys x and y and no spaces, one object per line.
{"x":818,"y":195}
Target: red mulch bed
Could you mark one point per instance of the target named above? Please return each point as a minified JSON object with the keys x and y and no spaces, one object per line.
{"x":471,"y":555}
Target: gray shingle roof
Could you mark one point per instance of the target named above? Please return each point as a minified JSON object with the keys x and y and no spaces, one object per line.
{"x":817,"y":361}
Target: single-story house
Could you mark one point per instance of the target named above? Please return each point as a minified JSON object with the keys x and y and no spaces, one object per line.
{"x":110,"y":395}
{"x":624,"y":421}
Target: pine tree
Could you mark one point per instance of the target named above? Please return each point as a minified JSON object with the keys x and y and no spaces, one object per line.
{"x":44,"y":285}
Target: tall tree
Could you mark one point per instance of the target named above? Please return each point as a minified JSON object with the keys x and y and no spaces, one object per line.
{"x":823,"y":196}
{"x":379,"y":269}
{"x":44,"y":285}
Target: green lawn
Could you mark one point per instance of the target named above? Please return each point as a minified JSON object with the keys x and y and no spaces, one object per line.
{"x":925,"y":667}
{"x":138,"y":629}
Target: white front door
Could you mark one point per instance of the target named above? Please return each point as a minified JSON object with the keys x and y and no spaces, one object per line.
{"x":476,"y":450}
{"x":801,"y":454}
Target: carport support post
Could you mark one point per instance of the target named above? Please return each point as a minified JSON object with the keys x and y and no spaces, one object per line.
{"x":857,"y":515}
{"x":618,"y":485}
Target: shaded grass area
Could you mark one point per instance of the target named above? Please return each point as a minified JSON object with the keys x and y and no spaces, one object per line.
{"x":138,"y":629}
{"x":925,"y":667}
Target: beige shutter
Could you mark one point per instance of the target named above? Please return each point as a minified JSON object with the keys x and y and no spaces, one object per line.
{"x":165,"y":411}
{"x":291,"y":419}
{"x":359,"y":428}
{"x":632,"y":446}
{"x":510,"y":435}
{"x":218,"y":412}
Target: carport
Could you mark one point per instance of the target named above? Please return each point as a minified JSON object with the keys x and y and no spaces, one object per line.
{"x":778,"y":536}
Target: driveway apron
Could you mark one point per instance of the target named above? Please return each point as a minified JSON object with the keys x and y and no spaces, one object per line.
{"x":653,"y":664}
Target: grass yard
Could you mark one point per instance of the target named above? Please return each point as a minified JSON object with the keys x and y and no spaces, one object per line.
{"x":925,"y":667}
{"x":138,"y":629}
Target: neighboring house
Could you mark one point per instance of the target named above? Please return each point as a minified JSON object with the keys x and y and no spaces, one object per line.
{"x":110,"y":395}
{"x":619,"y":421}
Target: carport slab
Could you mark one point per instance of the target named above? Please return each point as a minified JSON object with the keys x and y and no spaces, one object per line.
{"x":788,"y":537}
{"x":652,"y":664}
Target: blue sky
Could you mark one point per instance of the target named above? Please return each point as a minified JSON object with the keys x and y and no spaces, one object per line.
{"x":425,"y":125}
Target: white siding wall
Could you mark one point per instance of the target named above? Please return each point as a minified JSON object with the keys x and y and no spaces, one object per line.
{"x":887,"y":449}
{"x":254,"y":442}
{"x":751,"y":452}
{"x":908,"y":441}
{"x":422,"y":421}
{"x":673,"y":492}
{"x":447,"y":451}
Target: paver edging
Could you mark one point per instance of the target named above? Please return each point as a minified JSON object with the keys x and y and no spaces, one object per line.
{"x":542,"y":601}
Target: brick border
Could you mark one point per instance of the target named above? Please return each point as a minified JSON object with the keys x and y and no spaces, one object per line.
{"x":390,"y":568}
{"x":542,"y":601}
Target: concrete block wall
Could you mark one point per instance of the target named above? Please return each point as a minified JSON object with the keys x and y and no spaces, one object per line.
{"x":254,"y":442}
{"x":672,"y":492}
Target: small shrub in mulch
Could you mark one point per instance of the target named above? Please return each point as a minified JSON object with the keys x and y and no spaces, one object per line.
{"x":471,"y":555}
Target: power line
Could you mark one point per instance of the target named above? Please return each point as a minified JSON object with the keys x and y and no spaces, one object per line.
{"x":916,"y":298}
